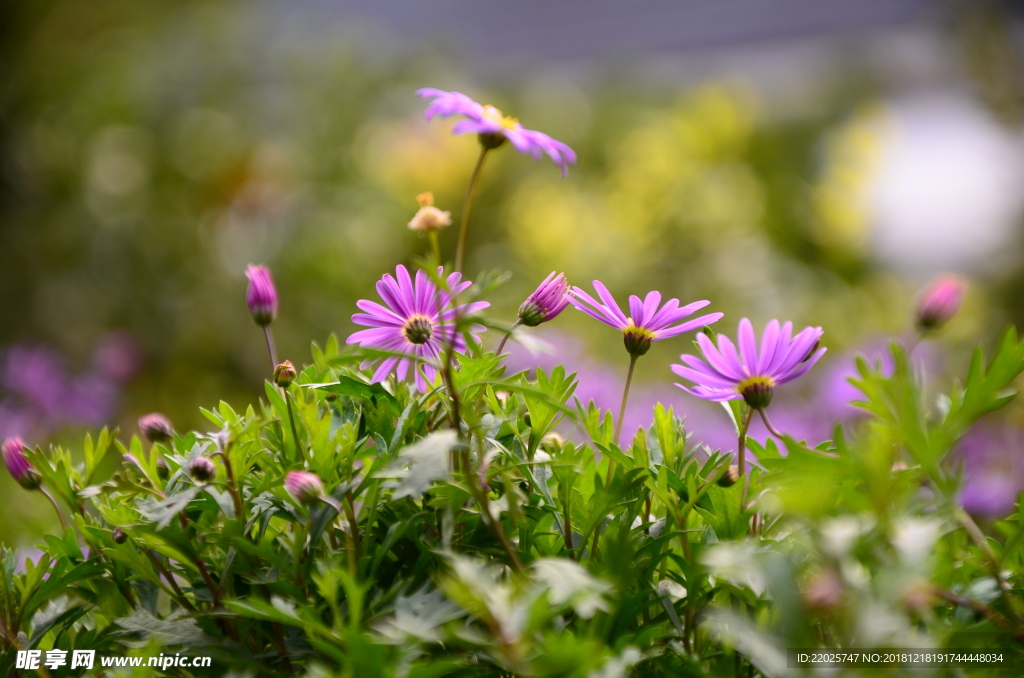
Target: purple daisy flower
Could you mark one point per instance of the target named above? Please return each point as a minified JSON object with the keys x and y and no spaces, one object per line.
{"x":418,"y":320}
{"x":647,"y":322}
{"x":749,"y":374}
{"x":493,"y":127}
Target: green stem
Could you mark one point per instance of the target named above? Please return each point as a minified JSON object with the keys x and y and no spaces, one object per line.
{"x":460,"y":250}
{"x":507,"y":335}
{"x":299,"y":452}
{"x":741,"y":456}
{"x":625,"y":397}
{"x":270,"y":347}
{"x":768,"y":424}
{"x":53,"y":502}
{"x":435,"y":246}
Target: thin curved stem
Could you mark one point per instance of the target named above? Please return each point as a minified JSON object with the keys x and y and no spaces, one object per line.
{"x":467,"y":206}
{"x":299,"y":451}
{"x":768,"y":424}
{"x":53,"y":502}
{"x":625,"y":397}
{"x":741,"y":456}
{"x":507,"y":335}
{"x":270,"y":347}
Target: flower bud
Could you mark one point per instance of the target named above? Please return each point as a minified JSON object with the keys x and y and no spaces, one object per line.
{"x":261,"y":297}
{"x":429,"y":218}
{"x":546,"y":302}
{"x":162,"y":470}
{"x":119,"y":536}
{"x":825,"y":591}
{"x":729,"y":478}
{"x":552,"y":441}
{"x":155,"y":427}
{"x":940,"y":301}
{"x":303,"y":486}
{"x":284,"y":374}
{"x":202,"y":469}
{"x":18,"y":465}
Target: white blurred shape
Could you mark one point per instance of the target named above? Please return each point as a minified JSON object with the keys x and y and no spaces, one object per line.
{"x":948,"y":187}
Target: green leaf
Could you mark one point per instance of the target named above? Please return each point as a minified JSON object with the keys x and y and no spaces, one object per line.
{"x":419,"y":465}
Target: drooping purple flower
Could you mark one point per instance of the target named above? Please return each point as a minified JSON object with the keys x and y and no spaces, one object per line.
{"x":155,"y":427}
{"x":18,"y":465}
{"x":261,"y":296}
{"x":303,"y":486}
{"x":749,"y":374}
{"x":546,"y":302}
{"x":418,"y":320}
{"x":940,"y":301}
{"x":493,"y":127}
{"x":647,"y":322}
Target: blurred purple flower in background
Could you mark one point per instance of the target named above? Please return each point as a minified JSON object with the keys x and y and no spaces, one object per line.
{"x":993,"y":462}
{"x":42,"y":396}
{"x":494,"y":127}
{"x":940,"y":301}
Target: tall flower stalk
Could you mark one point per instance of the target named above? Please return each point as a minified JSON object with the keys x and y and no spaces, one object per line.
{"x":493,"y":129}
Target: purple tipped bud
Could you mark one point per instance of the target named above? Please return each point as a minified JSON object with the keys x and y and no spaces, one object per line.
{"x":18,"y":465}
{"x":155,"y":427}
{"x":119,"y":536}
{"x":261,"y":297}
{"x":202,"y":469}
{"x":546,"y":302}
{"x":305,"y":487}
{"x":940,"y":301}
{"x":284,"y":374}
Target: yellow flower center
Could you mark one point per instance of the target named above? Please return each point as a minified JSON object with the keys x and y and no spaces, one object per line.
{"x":495,"y":115}
{"x":637,"y":339}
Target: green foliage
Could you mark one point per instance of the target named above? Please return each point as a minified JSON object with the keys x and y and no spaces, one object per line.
{"x":489,"y":544}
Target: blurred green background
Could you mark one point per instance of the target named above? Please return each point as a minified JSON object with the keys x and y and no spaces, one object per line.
{"x":812,"y":163}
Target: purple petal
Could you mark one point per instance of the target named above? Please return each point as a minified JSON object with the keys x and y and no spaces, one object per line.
{"x":748,"y":345}
{"x":609,"y":302}
{"x":718,"y":361}
{"x":689,"y":325}
{"x":769,"y":340}
{"x":636,"y":310}
{"x":700,"y":377}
